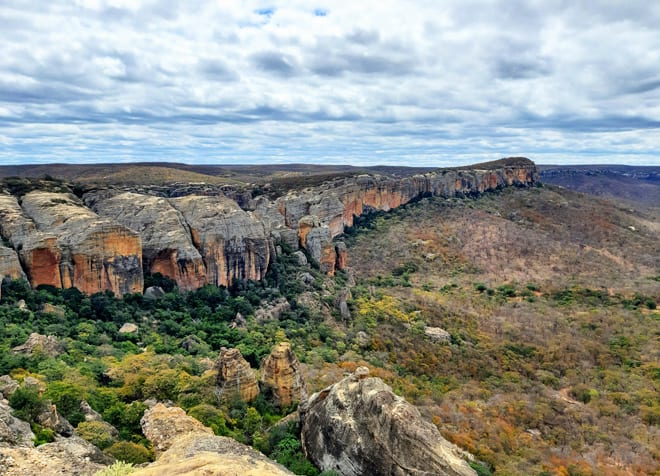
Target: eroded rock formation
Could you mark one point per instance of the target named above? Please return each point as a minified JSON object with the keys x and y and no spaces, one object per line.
{"x":199,"y":240}
{"x":236,"y":379}
{"x":186,"y":447}
{"x":358,"y":426}
{"x":281,"y":377}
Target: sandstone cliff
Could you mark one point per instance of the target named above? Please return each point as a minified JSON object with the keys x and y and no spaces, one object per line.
{"x":358,"y":426}
{"x":199,"y":240}
{"x":186,"y":447}
{"x":281,"y":377}
{"x":167,"y":246}
{"x":10,"y":266}
{"x":233,"y":243}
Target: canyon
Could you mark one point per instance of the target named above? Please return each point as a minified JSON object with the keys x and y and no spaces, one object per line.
{"x":108,"y":238}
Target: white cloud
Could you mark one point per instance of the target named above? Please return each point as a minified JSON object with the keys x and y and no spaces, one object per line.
{"x":369,"y":81}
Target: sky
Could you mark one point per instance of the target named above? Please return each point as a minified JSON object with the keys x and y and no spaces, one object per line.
{"x":423,"y":83}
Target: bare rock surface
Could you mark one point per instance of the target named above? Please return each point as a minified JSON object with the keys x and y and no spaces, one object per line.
{"x":64,"y":457}
{"x":235,"y":376}
{"x":10,"y":266}
{"x":40,"y":343}
{"x":437,"y":334}
{"x":234,"y":244}
{"x":7,"y":386}
{"x":186,"y":447}
{"x":358,"y":426}
{"x":128,"y":328}
{"x":166,"y":241}
{"x":281,"y":376}
{"x":12,"y":430}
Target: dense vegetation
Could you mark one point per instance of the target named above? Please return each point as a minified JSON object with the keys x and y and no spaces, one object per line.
{"x":549,"y":299}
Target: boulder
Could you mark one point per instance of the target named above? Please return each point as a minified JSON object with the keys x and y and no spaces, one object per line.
{"x":154,"y":292}
{"x":437,"y":334}
{"x":89,"y":413}
{"x":7,"y":386}
{"x":128,"y":328}
{"x":300,"y":257}
{"x":59,"y":311}
{"x":40,"y":343}
{"x":359,"y":426}
{"x":272,"y":310}
{"x":51,"y":418}
{"x":236,"y":379}
{"x":186,"y":447}
{"x":281,"y":377}
{"x":12,"y":430}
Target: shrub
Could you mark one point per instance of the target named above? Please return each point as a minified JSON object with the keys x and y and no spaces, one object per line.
{"x":42,"y":435}
{"x":119,"y":468}
{"x":130,"y":452}
{"x":27,"y":403}
{"x":98,"y":433}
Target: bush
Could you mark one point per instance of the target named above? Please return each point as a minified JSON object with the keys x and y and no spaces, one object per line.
{"x":98,"y":433}
{"x":42,"y":435}
{"x":119,"y":468}
{"x":130,"y":452}
{"x":27,"y":403}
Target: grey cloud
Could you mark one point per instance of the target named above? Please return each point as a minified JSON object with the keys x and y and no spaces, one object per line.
{"x":276,"y":62}
{"x":216,"y":70}
{"x":521,"y":69}
{"x":363,"y":37}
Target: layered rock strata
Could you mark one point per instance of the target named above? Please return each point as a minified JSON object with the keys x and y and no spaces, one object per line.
{"x":281,"y":377}
{"x":199,"y":240}
{"x":64,"y":244}
{"x":358,"y":426}
{"x":167,"y":246}
{"x":236,"y":379}
{"x":234,"y":244}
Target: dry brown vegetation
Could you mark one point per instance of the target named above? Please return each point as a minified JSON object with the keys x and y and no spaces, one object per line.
{"x":549,"y":296}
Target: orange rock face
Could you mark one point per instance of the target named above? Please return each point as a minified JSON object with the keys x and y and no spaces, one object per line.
{"x":281,"y":377}
{"x":235,"y":377}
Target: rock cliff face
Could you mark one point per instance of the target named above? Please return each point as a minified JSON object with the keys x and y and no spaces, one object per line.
{"x":199,"y":240}
{"x":10,"y":266}
{"x":64,"y":244}
{"x":358,"y":426}
{"x":281,"y":377}
{"x":235,"y":377}
{"x":167,"y":246}
{"x":186,"y":447}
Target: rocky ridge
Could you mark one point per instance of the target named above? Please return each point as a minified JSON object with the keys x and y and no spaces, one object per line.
{"x":109,"y":238}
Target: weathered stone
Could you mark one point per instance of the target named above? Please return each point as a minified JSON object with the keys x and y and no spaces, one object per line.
{"x":128,"y":328}
{"x":272,"y":310}
{"x":233,"y":243}
{"x":162,"y":425}
{"x":50,"y":418}
{"x":362,"y":339}
{"x":167,"y":246}
{"x":97,"y":254}
{"x":235,"y":377}
{"x":89,"y":413}
{"x":341,"y":303}
{"x":10,"y":266}
{"x":12,"y":430}
{"x":301,"y":259}
{"x":22,"y":305}
{"x":437,"y":334}
{"x":358,"y":426}
{"x":40,"y":343}
{"x":186,"y":447}
{"x":281,"y":377}
{"x":70,"y":456}
{"x":154,"y":292}
{"x":7,"y":386}
{"x":59,"y":311}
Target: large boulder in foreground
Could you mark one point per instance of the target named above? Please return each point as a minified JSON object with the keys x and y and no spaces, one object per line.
{"x":358,"y":426}
{"x":186,"y":447}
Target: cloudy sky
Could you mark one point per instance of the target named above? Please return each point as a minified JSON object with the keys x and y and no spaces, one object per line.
{"x":344,"y":81}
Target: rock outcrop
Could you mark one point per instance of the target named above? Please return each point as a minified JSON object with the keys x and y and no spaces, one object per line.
{"x":186,"y":447}
{"x":358,"y":426}
{"x":197,"y":240}
{"x":281,"y":377}
{"x":236,"y":379}
{"x":64,"y":244}
{"x":167,"y":246}
{"x":48,"y":345}
{"x":233,"y":243}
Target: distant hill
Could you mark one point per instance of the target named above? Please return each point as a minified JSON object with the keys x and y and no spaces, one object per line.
{"x":639,"y":184}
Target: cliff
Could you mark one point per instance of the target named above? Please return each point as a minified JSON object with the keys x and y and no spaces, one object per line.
{"x":281,"y":377}
{"x":105,"y":241}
